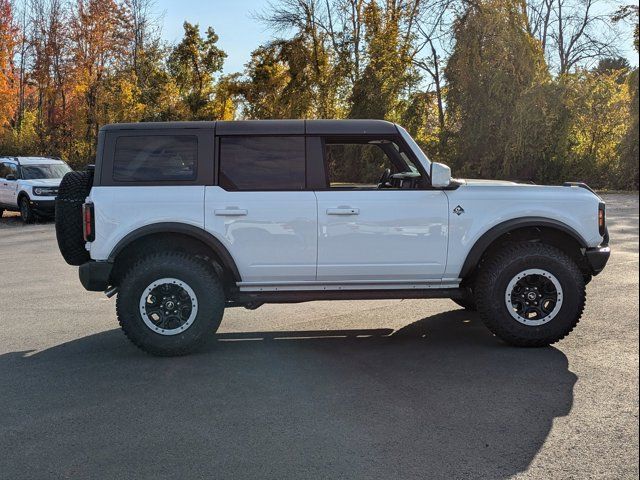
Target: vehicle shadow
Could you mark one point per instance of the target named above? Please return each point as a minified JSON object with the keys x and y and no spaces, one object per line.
{"x":13,"y":219}
{"x":440,"y":398}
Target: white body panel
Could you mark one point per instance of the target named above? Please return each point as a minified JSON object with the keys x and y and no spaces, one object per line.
{"x":122,"y":210}
{"x":271,"y":235}
{"x":386,"y":235}
{"x":487,"y":204}
{"x":287,"y":240}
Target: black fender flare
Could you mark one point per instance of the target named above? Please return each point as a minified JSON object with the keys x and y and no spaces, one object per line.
{"x":185,"y":229}
{"x":481,"y":245}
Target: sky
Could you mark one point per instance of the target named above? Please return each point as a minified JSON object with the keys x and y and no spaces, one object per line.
{"x":232,"y":20}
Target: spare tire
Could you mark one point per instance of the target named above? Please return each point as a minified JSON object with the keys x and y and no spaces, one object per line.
{"x":73,"y":191}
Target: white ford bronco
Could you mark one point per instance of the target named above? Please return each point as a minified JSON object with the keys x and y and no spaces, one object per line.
{"x":181,"y":220}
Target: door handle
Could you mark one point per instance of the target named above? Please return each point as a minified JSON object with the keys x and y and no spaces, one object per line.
{"x":343,"y":211}
{"x":230,"y":212}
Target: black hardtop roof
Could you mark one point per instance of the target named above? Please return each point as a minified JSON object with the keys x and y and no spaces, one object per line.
{"x":271,"y":127}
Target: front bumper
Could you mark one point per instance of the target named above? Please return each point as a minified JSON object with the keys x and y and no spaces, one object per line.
{"x":43,"y":207}
{"x":597,"y":258}
{"x":95,"y":276}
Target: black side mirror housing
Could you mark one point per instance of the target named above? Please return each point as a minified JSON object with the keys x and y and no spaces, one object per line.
{"x":11,"y":177}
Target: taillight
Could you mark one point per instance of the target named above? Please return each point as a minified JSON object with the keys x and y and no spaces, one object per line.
{"x":88,"y":223}
{"x":602,"y":219}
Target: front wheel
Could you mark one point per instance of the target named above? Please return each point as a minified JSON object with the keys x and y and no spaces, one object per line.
{"x":26,"y":212}
{"x":466,"y":300}
{"x":170,"y":303}
{"x":530,"y":294}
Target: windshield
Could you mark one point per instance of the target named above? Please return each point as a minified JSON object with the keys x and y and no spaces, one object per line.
{"x":426,"y":163}
{"x":36,"y":172}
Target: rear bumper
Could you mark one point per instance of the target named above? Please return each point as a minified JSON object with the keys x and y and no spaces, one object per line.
{"x":597,"y":258}
{"x":95,"y":276}
{"x":43,"y":207}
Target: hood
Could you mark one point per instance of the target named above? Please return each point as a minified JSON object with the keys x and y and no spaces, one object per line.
{"x":42,"y":182}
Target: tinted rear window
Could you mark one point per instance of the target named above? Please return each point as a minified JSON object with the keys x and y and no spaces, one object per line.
{"x":153,"y":158}
{"x":262,"y":163}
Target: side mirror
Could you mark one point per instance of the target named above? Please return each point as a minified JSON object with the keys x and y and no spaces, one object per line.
{"x":440,"y":175}
{"x":11,"y":177}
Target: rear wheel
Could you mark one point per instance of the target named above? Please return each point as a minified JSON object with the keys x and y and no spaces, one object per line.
{"x":25,"y":211}
{"x":530,"y":294}
{"x":170,"y":303}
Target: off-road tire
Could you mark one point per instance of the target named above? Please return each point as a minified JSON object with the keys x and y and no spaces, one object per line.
{"x":499,"y":270}
{"x":26,"y":213}
{"x":466,"y":301}
{"x":73,"y":191}
{"x":200,"y":276}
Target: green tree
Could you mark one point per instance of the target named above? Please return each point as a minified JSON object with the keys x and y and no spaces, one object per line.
{"x":193,"y":64}
{"x":389,"y":70}
{"x":626,"y":175}
{"x":609,"y":65}
{"x":494,"y":63}
{"x":598,"y":105}
{"x":266,"y":89}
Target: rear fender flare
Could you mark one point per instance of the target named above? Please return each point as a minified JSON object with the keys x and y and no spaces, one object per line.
{"x":185,"y":229}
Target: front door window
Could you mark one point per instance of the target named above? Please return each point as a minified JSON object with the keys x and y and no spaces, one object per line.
{"x":368,"y":163}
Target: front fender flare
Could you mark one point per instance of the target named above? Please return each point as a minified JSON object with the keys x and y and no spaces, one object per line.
{"x":481,"y":245}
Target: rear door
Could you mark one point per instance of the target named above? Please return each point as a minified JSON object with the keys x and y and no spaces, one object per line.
{"x":261,"y":210}
{"x":149,"y":176}
{"x":374,"y":228}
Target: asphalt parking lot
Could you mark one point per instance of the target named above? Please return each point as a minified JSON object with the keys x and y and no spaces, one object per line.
{"x":336,"y":390}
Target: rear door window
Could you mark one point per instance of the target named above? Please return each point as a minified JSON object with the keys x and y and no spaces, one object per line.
{"x":262,"y":163}
{"x":155,"y":158}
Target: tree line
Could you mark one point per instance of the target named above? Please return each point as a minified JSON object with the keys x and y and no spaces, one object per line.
{"x":520,"y":89}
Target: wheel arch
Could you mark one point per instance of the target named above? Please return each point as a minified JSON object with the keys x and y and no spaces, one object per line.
{"x":543,"y":229}
{"x":175,"y":235}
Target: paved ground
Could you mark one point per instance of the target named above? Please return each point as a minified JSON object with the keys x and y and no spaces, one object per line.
{"x":353,"y":390}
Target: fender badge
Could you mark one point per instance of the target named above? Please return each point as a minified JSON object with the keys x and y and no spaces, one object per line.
{"x":458,"y":210}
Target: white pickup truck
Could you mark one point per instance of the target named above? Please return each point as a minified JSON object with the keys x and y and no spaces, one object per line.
{"x":181,"y":220}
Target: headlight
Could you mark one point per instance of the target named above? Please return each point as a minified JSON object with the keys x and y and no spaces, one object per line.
{"x":45,"y":191}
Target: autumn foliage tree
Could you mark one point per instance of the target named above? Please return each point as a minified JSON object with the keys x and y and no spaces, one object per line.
{"x":8,"y":43}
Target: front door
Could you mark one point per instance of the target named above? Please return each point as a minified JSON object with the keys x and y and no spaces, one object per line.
{"x":261,"y":211}
{"x":377,"y":224}
{"x":8,"y":187}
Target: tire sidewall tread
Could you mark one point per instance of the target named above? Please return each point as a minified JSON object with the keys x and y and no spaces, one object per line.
{"x":500,"y":269}
{"x":200,"y":276}
{"x":72,"y":193}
